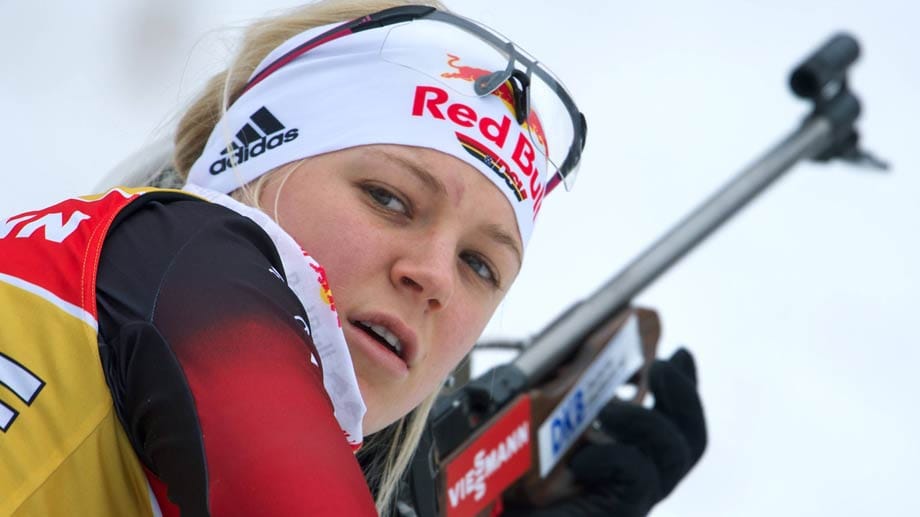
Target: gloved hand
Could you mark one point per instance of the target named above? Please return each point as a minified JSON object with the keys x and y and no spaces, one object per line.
{"x":651,"y":451}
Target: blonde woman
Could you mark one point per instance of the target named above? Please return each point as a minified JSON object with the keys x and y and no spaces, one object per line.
{"x":358,"y":189}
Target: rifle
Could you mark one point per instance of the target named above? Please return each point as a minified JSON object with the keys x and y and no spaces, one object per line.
{"x":512,"y":426}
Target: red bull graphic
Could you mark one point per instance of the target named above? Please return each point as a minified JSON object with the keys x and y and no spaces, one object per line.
{"x":504,"y":92}
{"x":325,"y":293}
{"x":494,"y":162}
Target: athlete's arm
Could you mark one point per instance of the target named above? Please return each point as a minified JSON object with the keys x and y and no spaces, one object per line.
{"x":211,"y":373}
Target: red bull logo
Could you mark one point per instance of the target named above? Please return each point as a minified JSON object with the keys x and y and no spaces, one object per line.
{"x":325,"y":293}
{"x":466,"y":73}
{"x":504,"y":92}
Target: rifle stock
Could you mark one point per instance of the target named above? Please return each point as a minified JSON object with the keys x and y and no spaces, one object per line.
{"x":485,"y":433}
{"x":544,"y":399}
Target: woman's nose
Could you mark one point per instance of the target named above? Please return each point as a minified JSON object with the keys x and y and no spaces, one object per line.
{"x":427,"y":271}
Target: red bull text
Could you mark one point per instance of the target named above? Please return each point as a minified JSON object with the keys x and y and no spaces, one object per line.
{"x":432,"y":101}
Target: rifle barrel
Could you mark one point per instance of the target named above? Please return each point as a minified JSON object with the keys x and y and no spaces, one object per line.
{"x":556,"y":342}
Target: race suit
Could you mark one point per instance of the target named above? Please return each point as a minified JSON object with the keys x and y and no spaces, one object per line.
{"x":154,"y":359}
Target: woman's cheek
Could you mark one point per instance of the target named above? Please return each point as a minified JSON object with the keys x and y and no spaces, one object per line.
{"x":464,"y":334}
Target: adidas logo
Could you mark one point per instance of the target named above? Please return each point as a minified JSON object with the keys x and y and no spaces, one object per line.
{"x":249,"y":142}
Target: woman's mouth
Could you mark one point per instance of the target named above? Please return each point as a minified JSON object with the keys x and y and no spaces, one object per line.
{"x":384,"y":339}
{"x":383,"y":335}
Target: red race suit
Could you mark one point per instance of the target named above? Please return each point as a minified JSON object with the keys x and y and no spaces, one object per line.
{"x":153,"y":359}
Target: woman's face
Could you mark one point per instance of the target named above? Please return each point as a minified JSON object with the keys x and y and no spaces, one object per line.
{"x":418,"y":247}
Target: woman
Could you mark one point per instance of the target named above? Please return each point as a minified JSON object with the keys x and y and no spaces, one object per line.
{"x":398,"y":161}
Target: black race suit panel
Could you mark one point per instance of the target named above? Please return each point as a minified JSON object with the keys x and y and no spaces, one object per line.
{"x":210,"y":368}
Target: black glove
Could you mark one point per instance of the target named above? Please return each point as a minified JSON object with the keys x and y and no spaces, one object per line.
{"x":651,"y":451}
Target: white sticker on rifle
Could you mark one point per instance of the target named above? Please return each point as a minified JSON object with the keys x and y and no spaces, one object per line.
{"x":616,"y":363}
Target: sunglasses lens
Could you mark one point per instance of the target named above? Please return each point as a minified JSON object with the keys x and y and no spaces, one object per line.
{"x":448,"y":54}
{"x":552,"y":130}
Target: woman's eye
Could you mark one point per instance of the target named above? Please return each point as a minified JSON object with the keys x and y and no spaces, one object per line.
{"x":480,"y":267}
{"x":387,"y":199}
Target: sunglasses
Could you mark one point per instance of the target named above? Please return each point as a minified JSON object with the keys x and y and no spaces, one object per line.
{"x":537,"y":97}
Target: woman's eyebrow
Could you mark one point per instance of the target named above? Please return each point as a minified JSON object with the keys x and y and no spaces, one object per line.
{"x":499,"y":235}
{"x":426,"y":178}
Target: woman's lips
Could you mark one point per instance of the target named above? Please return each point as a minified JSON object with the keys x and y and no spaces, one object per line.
{"x":377,"y":352}
{"x":390,"y":329}
{"x":383,"y":335}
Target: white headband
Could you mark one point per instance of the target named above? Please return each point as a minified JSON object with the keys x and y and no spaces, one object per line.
{"x":344,"y":94}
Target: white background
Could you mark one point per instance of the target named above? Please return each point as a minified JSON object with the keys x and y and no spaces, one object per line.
{"x":800,"y":311}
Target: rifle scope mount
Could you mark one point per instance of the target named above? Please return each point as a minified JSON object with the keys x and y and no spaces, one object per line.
{"x":822,"y":78}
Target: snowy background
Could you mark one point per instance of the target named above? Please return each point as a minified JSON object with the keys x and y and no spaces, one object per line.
{"x":800,"y":311}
